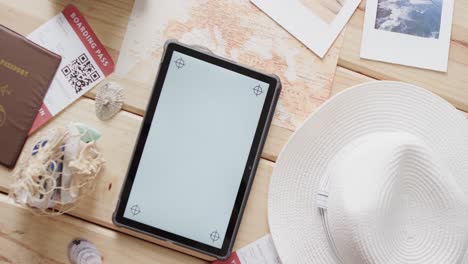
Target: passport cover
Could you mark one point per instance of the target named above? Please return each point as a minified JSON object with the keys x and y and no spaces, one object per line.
{"x":26,"y":71}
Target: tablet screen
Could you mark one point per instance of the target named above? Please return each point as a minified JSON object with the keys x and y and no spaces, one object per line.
{"x":196,"y":150}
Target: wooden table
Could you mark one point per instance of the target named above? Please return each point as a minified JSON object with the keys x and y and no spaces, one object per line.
{"x":25,"y":238}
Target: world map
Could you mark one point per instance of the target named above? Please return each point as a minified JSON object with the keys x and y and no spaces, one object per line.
{"x":234,"y":29}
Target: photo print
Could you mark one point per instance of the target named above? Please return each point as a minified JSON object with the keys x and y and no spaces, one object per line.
{"x":316,"y":23}
{"x":413,"y":17}
{"x":327,"y":10}
{"x":408,"y":32}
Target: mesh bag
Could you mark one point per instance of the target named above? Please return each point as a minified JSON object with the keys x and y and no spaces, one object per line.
{"x":59,"y":171}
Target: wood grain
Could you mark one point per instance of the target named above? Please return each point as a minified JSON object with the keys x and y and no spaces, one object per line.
{"x":345,"y":78}
{"x":26,"y":238}
{"x":451,"y":85}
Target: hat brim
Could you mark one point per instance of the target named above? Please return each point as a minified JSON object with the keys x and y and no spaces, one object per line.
{"x":381,"y":106}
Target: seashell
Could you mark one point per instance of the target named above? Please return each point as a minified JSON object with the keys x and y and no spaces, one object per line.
{"x":88,"y":133}
{"x":83,"y":252}
{"x":109,"y":100}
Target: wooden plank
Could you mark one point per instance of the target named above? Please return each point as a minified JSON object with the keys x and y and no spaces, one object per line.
{"x":255,"y":220}
{"x":345,"y":78}
{"x":26,"y":238}
{"x":451,"y":85}
{"x":277,"y":138}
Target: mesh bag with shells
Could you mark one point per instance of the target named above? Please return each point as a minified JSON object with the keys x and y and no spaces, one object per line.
{"x":60,"y":170}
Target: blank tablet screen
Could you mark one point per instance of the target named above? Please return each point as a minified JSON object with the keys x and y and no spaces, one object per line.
{"x":196,"y":150}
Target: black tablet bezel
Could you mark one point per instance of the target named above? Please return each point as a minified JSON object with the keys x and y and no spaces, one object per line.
{"x":250,"y":168}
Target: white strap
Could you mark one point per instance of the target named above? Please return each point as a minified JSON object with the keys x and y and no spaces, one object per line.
{"x":323,"y":215}
{"x":321,"y":197}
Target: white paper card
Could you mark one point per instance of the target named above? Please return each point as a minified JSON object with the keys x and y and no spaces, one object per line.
{"x":316,"y":23}
{"x":85,"y":61}
{"x":262,"y":251}
{"x":408,"y":32}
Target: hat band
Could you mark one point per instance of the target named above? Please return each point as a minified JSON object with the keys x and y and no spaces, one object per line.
{"x":321,"y":200}
{"x":331,"y":242}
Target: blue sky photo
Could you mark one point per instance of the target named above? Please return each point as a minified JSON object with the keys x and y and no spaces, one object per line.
{"x":413,"y":17}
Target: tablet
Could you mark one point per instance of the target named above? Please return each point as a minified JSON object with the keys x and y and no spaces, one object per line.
{"x":198,"y":150}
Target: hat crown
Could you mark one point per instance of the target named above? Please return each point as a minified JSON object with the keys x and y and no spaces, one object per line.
{"x":392,"y":200}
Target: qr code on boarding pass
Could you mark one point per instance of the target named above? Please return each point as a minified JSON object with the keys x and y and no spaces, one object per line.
{"x":80,"y":73}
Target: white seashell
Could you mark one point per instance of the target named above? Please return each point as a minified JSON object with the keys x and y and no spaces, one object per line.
{"x":83,"y":252}
{"x":109,"y":100}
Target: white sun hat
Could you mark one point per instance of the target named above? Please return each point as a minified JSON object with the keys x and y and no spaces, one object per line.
{"x":378,"y":174}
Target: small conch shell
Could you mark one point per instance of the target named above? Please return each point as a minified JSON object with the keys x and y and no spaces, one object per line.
{"x":109,"y":100}
{"x":83,"y":252}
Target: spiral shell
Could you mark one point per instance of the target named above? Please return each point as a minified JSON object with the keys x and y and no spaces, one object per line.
{"x":83,"y":252}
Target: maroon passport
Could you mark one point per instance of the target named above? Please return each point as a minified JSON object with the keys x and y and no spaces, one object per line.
{"x":26,"y":71}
